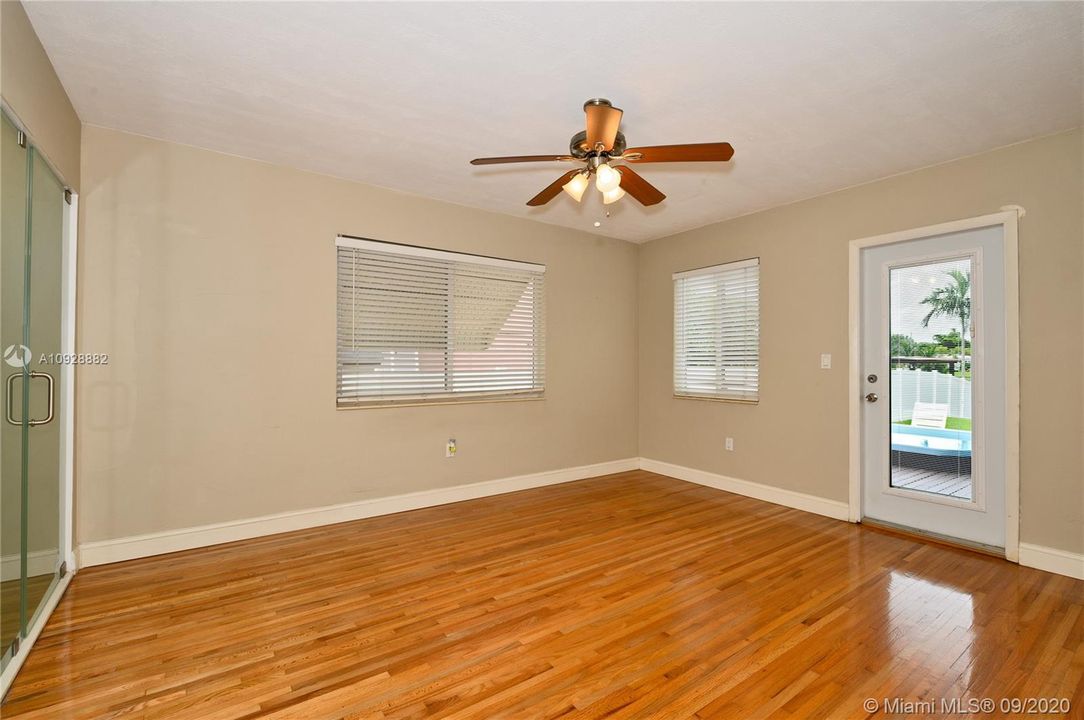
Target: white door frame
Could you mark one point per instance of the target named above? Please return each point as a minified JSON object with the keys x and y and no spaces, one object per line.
{"x":1008,"y":220}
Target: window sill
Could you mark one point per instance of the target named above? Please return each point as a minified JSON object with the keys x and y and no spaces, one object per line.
{"x":735,"y":401}
{"x":383,"y":404}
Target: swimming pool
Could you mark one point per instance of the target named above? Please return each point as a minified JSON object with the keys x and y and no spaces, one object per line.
{"x":931,"y":441}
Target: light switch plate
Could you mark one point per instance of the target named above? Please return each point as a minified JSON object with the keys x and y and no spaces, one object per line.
{"x":826,"y":361}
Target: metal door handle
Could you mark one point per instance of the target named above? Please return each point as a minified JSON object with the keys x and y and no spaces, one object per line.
{"x":872,"y":397}
{"x":11,"y":394}
{"x":52,"y":397}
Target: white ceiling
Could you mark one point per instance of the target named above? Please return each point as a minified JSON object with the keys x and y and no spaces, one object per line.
{"x":814,"y":97}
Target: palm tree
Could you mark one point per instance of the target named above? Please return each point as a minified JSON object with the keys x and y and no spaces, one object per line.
{"x":952,"y":300}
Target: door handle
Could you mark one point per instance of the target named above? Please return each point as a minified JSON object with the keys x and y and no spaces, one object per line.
{"x":51,"y":401}
{"x":872,"y":397}
{"x":10,"y":415}
{"x":11,"y":394}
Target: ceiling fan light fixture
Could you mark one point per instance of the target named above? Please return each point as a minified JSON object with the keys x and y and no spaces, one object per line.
{"x":607,"y":178}
{"x":601,"y":142}
{"x":612,"y":196}
{"x":576,"y":186}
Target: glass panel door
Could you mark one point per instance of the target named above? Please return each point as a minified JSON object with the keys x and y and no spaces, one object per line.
{"x":13,"y":204}
{"x":930,"y":377}
{"x":933,"y":346}
{"x":31,"y":277}
{"x":43,"y":335}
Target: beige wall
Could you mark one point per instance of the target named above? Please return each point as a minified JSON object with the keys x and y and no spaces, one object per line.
{"x":796,"y":438}
{"x":210,"y":281}
{"x":31,"y":88}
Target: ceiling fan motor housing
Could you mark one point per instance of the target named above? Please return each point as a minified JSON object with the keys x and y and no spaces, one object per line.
{"x":578,"y":147}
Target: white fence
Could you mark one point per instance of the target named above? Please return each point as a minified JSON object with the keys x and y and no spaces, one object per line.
{"x":911,"y":386}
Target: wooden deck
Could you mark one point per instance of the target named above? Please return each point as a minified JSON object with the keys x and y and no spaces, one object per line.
{"x":628,"y":596}
{"x":932,"y":481}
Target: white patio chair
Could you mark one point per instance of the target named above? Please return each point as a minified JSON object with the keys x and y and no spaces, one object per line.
{"x":930,"y":415}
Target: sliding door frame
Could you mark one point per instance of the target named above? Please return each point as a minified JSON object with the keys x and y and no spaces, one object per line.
{"x":1008,"y":220}
{"x":65,"y":411}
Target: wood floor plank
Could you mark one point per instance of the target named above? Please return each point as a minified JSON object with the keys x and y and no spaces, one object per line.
{"x":626,"y":596}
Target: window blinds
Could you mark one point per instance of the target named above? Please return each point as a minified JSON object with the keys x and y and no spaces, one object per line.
{"x":416,"y":324}
{"x":717,"y":331}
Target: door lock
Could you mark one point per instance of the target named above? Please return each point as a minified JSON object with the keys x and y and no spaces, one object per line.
{"x":871,"y":378}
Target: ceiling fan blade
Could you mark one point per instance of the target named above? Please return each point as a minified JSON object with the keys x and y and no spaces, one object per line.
{"x":521,"y":158}
{"x":553,"y":189}
{"x":698,"y":152}
{"x":642,"y":190}
{"x":603,"y":122}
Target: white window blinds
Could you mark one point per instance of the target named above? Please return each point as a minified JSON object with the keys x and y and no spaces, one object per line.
{"x":416,"y":324}
{"x":717,"y":331}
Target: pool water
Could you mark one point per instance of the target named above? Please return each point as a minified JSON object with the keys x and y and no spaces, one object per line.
{"x":931,"y":441}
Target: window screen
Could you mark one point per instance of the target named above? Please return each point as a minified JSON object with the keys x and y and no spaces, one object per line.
{"x":717,"y":331}
{"x":416,"y":324}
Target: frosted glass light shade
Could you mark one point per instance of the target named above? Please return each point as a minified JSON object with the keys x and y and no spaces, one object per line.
{"x":606,"y":178}
{"x":612,"y":196}
{"x":576,"y":186}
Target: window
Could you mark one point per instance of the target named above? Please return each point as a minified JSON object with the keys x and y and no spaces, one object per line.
{"x":717,"y":331}
{"x":421,"y":325}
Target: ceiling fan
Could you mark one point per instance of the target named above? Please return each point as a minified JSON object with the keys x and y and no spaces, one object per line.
{"x":598,"y":147}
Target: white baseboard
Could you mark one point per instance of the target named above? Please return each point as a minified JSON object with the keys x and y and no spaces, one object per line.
{"x":1052,"y":560}
{"x":800,"y":501}
{"x":137,"y":546}
{"x":129,"y":548}
{"x":40,"y":562}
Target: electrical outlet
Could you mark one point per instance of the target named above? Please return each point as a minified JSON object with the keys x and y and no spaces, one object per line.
{"x":826,"y":361}
{"x":730,"y":443}
{"x":449,"y":449}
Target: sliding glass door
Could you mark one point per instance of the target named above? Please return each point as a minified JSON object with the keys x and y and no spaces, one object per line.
{"x":32,"y":211}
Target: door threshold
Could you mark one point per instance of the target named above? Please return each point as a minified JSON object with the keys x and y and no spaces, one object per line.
{"x":916,"y":534}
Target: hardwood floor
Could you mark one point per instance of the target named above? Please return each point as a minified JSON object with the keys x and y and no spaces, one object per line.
{"x":628,"y":596}
{"x":36,"y":587}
